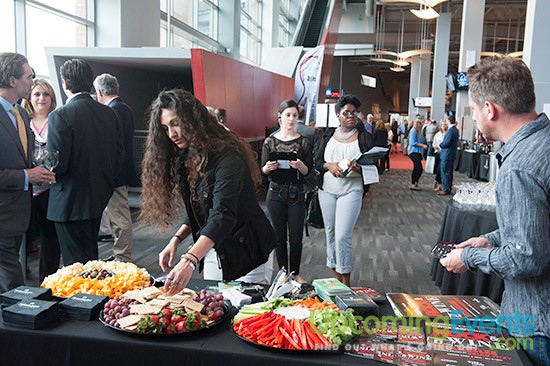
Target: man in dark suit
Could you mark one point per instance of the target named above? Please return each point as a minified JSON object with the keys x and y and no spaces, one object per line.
{"x":118,"y":209}
{"x":88,"y":137}
{"x":16,"y":172}
{"x":447,"y":156}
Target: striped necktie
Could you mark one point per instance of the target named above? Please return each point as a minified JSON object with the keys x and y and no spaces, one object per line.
{"x":21,"y":129}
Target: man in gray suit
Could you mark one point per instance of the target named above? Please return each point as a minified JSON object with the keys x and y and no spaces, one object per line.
{"x":89,"y":139}
{"x":16,"y":172}
{"x":118,"y":209}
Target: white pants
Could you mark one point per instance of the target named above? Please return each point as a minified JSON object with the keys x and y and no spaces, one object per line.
{"x":261,"y":274}
{"x":340,"y":213}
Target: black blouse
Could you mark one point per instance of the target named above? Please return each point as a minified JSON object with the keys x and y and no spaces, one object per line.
{"x":299,"y":145}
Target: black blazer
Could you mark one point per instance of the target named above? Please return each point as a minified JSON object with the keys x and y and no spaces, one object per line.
{"x":127,"y":175}
{"x":15,"y":203}
{"x":225,"y":199}
{"x":89,"y":139}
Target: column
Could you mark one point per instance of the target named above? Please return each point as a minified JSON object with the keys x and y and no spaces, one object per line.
{"x":440,"y":67}
{"x":470,"y":48}
{"x":536,"y":52}
{"x":229,"y":15}
{"x":127,"y":23}
{"x":420,"y":81}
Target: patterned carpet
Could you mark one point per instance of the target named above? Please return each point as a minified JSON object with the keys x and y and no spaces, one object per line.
{"x":391,"y":241}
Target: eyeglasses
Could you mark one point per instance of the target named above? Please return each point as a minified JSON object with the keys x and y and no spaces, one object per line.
{"x":348,"y":113}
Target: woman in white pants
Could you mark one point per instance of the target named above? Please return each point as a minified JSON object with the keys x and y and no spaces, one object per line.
{"x":340,"y":196}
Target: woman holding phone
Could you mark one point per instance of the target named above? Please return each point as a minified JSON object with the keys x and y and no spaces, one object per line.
{"x":286,"y":161}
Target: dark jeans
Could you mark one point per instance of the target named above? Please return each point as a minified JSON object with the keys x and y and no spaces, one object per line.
{"x":78,"y":240}
{"x":447,"y":167}
{"x":437,"y":169}
{"x":417,"y":167}
{"x":287,"y":210}
{"x":540,"y":353}
{"x":49,"y":244}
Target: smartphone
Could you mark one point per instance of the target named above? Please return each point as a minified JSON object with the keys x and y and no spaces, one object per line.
{"x":441,"y":249}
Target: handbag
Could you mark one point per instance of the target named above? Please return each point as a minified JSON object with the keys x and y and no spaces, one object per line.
{"x":430,"y":164}
{"x":314,"y":214}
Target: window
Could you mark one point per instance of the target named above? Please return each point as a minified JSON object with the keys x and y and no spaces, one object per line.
{"x":251,"y":18}
{"x":7,"y":26}
{"x":284,"y":31}
{"x":45,"y":23}
{"x":193,"y":24}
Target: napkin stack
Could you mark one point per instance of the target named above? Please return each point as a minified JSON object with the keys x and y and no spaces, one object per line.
{"x":17,"y":294}
{"x":30,"y":314}
{"x":82,"y":306}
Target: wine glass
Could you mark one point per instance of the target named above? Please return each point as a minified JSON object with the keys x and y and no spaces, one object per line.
{"x":38,"y":155}
{"x":51,"y":159}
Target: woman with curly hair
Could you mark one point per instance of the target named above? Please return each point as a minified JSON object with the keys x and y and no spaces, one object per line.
{"x":191,"y":159}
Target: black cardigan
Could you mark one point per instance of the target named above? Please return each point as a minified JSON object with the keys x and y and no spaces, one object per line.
{"x":365,"y":140}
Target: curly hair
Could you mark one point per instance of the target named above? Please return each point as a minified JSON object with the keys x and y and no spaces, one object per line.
{"x":161,"y":197}
{"x":347,"y":99}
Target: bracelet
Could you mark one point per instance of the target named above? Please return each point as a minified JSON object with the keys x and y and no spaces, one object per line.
{"x":194,"y":256}
{"x":190,"y":260}
{"x":179,"y":237}
{"x":191,"y":264}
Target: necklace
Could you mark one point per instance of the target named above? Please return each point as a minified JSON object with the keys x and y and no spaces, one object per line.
{"x":344,"y":136}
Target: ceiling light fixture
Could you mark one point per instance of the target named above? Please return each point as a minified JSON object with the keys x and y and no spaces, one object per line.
{"x":425,"y":12}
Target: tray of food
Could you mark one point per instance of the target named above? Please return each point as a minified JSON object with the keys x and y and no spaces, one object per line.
{"x":111,"y":279}
{"x":303,"y":326}
{"x":151,"y":311}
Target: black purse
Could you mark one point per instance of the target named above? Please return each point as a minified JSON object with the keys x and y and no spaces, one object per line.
{"x":314,"y":214}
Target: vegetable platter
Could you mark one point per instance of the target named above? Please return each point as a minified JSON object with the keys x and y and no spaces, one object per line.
{"x":308,"y":325}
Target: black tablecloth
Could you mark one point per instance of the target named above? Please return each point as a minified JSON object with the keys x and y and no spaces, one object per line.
{"x":469,"y":163}
{"x":459,"y":225}
{"x":79,"y":343}
{"x":483,"y":167}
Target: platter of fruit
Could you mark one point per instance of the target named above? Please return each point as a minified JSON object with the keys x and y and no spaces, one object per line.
{"x":286,"y":325}
{"x":151,"y":311}
{"x":111,"y":279}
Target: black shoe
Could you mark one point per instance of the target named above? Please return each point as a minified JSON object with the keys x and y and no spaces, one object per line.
{"x":109,"y":258}
{"x":104,"y":238}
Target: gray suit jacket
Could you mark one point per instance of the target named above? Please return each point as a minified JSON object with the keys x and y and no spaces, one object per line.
{"x":15,"y":203}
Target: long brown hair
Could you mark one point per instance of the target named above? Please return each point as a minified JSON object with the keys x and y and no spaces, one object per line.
{"x":160,"y":196}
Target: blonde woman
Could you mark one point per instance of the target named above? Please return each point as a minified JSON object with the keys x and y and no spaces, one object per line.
{"x":42,"y":102}
{"x":417,"y":145}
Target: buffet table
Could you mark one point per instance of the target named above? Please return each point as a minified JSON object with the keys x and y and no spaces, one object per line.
{"x":72,"y":343}
{"x":459,"y":225}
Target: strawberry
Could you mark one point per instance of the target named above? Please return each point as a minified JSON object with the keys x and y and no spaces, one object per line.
{"x":176,"y":319}
{"x":164,"y":323}
{"x":154,"y":319}
{"x":167,"y":313}
{"x":180,"y":326}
